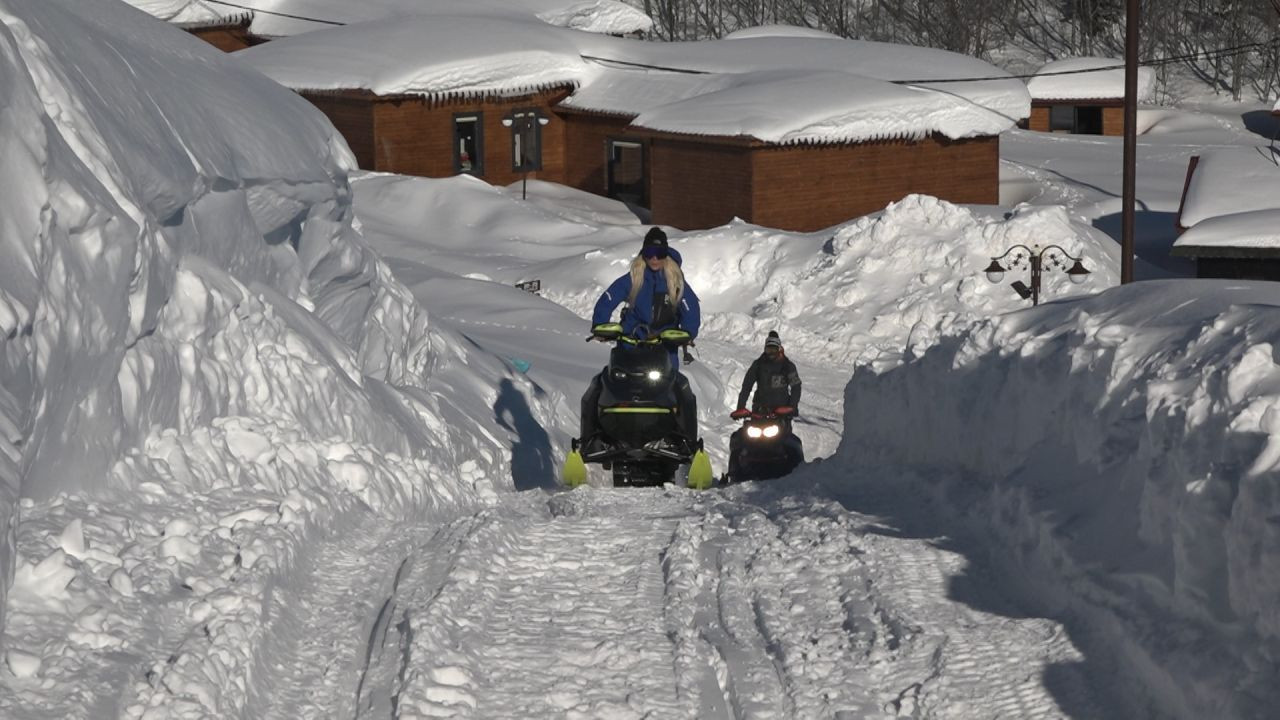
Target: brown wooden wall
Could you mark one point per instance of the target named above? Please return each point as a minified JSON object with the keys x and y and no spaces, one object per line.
{"x":586,"y":149}
{"x":1112,"y":117}
{"x":812,"y":187}
{"x":353,"y":119}
{"x":414,"y":136}
{"x":1113,"y":120}
{"x":1039,"y":120}
{"x":694,"y":184}
{"x":224,"y":38}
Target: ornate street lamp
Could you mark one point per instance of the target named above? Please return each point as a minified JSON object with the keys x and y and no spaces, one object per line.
{"x":1035,"y":259}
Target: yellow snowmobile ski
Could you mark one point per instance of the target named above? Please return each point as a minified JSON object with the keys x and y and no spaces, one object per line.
{"x":700,"y":477}
{"x":574,"y":471}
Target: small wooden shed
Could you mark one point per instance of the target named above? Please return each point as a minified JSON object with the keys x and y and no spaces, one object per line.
{"x":1082,"y":96}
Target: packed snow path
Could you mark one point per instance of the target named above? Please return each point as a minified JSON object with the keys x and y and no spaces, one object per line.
{"x":757,"y":602}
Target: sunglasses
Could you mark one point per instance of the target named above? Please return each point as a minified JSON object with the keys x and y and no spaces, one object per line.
{"x":654,"y":252}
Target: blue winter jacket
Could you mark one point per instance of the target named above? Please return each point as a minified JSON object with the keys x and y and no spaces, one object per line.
{"x":688,"y":315}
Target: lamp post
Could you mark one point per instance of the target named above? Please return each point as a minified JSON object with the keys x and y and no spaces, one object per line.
{"x":523,"y":125}
{"x":1035,"y":258}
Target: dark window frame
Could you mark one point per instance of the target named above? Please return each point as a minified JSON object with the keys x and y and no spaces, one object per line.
{"x":477,"y":161}
{"x":533,"y":128}
{"x":610,"y":144}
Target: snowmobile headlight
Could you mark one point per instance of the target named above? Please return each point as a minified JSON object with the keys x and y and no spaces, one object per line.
{"x":655,"y":375}
{"x":619,"y":374}
{"x":754,"y":431}
{"x":771,"y":431}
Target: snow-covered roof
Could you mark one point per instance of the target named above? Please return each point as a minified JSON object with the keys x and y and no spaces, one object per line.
{"x":439,"y":56}
{"x":797,"y":106}
{"x":1087,"y":80}
{"x":1233,"y":200}
{"x":187,"y":12}
{"x":779,"y":31}
{"x":779,"y":89}
{"x":1253,"y":230}
{"x":1232,"y":180}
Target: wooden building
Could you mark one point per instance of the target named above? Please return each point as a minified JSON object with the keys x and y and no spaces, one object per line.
{"x":1082,"y":96}
{"x":624,"y":133}
{"x":1078,"y":117}
{"x":497,"y":139}
{"x":227,"y":34}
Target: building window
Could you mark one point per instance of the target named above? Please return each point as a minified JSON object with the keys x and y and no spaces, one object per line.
{"x":1062,"y":118}
{"x":626,"y":171}
{"x":468,"y":143}
{"x":526,"y":140}
{"x":1080,"y":120}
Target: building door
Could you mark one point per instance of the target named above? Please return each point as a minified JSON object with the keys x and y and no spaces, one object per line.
{"x":627,"y":177}
{"x":1088,"y":120}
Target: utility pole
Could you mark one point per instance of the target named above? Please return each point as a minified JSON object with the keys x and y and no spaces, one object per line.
{"x":1130,"y":140}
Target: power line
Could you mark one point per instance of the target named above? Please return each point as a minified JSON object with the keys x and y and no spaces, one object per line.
{"x":1168,"y":60}
{"x":278,"y":14}
{"x":1220,"y":52}
{"x":645,"y":65}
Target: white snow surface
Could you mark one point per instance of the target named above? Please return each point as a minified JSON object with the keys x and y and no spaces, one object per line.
{"x":1228,"y":181}
{"x":779,"y":31}
{"x":266,"y":415}
{"x":1129,"y":455}
{"x":1251,"y":229}
{"x":735,"y":89}
{"x":599,"y":16}
{"x":1087,"y":78}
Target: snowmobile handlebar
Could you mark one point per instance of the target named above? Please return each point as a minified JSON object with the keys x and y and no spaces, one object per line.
{"x":612,"y":332}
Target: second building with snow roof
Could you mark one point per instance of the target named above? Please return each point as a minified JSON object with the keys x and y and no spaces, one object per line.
{"x":797,"y":133}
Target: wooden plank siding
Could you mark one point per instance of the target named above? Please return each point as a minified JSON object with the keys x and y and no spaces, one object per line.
{"x":226,"y":38}
{"x":587,"y":148}
{"x":352,"y":116}
{"x":415,"y":136}
{"x":696,"y":184}
{"x":806,"y":188}
{"x":1113,"y":120}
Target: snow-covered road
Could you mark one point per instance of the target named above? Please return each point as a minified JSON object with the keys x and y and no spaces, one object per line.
{"x":756,"y":602}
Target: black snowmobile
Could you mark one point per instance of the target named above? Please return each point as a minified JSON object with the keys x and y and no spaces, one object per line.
{"x":768,"y":449}
{"x":641,"y":432}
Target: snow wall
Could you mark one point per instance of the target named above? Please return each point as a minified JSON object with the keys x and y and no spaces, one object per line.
{"x":176,"y":253}
{"x":1129,"y":457}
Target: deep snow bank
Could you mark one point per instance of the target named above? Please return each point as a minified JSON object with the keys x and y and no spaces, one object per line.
{"x":871,"y":291}
{"x":1129,"y":453}
{"x":201,"y":363}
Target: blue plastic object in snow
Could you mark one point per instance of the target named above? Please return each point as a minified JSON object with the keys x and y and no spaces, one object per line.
{"x":521,"y":365}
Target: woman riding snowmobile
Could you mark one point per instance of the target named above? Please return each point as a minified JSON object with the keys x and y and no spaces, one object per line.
{"x":657,"y":299}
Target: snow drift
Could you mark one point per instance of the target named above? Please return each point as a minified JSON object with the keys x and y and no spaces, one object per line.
{"x":201,"y":362}
{"x":1128,"y":458}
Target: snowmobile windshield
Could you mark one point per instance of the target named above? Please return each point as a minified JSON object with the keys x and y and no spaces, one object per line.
{"x":639,"y":360}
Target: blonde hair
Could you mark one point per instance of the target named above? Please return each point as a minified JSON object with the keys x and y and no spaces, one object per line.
{"x":670,"y":268}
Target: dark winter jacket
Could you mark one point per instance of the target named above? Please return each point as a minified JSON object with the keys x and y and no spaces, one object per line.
{"x":651,"y":304}
{"x":776,"y":382}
